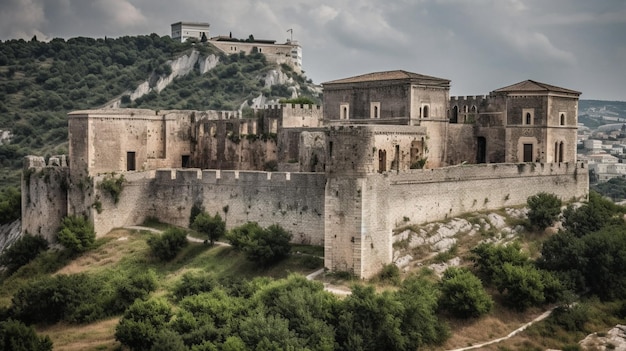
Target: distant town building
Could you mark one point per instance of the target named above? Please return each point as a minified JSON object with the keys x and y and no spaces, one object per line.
{"x":181,"y":31}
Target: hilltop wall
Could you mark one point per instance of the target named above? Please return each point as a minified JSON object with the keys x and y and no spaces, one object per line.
{"x":294,"y":200}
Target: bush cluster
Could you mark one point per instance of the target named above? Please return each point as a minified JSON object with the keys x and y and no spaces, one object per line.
{"x":262,"y":245}
{"x":76,"y":234}
{"x":24,"y":250}
{"x":79,"y":298}
{"x":168,"y":244}
{"x":287,"y":314}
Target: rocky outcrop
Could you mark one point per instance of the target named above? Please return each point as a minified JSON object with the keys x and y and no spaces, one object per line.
{"x":9,"y":233}
{"x":434,"y":238}
{"x":180,"y":67}
{"x":614,"y":339}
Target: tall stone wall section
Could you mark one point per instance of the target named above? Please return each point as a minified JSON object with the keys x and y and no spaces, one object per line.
{"x":293,"y":200}
{"x":44,"y":195}
{"x":362,"y":212}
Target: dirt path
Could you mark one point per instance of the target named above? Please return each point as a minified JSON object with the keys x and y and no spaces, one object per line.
{"x":189,"y":237}
{"x":510,"y":335}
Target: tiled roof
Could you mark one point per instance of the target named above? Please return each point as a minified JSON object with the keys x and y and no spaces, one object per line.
{"x":388,"y":75}
{"x":534,"y":86}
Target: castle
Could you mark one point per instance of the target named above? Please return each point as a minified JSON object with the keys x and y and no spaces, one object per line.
{"x":386,"y":149}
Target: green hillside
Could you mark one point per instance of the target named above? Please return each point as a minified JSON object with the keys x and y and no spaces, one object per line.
{"x":41,"y":82}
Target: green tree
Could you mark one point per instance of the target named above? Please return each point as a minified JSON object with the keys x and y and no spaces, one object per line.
{"x":75,"y":298}
{"x":211,"y":226}
{"x":489,"y":259}
{"x":564,"y":254}
{"x":521,"y":285}
{"x":167,"y":245}
{"x":308,"y":308}
{"x":592,"y":216}
{"x":463,"y":295}
{"x":16,"y":336}
{"x":605,"y":271}
{"x":192,"y":283}
{"x":76,"y":234}
{"x":544,"y":210}
{"x":10,"y":202}
{"x":263,"y":245}
{"x":141,"y":324}
{"x":24,"y":250}
{"x":420,"y":323}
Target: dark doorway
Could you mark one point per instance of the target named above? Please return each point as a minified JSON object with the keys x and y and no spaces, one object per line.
{"x":382,"y":161}
{"x":185,"y":162}
{"x":455,"y":115}
{"x":130,"y":161}
{"x":528,"y":152}
{"x":481,"y":150}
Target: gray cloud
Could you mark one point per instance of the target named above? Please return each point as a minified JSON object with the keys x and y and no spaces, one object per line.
{"x":481,"y":45}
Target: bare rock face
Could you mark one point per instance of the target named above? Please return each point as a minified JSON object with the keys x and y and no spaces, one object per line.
{"x":614,"y":339}
{"x":9,"y":233}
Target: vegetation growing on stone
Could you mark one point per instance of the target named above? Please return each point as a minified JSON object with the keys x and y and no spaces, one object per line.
{"x":113,"y":185}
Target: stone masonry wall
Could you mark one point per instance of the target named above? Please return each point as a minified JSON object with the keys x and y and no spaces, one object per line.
{"x":362,"y":212}
{"x":293,"y":200}
{"x":44,"y":195}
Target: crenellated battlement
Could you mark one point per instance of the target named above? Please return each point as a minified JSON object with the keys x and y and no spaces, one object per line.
{"x":38,"y":162}
{"x":233,"y":177}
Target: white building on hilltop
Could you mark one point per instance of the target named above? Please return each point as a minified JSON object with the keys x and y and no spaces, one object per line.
{"x":182,"y":31}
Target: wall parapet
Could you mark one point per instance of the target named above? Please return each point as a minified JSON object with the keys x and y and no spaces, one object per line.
{"x":483,"y":172}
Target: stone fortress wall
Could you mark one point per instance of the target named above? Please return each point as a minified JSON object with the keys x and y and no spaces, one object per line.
{"x":44,"y":195}
{"x":293,"y":200}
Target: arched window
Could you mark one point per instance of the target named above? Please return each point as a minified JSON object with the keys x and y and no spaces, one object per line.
{"x":473,"y":109}
{"x":529,"y":118}
{"x":562,"y":119}
{"x":426,"y":111}
{"x":561,"y":152}
{"x":345,"y":113}
{"x":375,"y":111}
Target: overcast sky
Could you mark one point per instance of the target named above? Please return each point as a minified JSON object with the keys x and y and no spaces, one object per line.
{"x":480,"y":45}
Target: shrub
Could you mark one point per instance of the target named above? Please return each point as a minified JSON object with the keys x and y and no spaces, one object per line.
{"x":462,"y":294}
{"x":265,"y":246}
{"x":390,"y":273}
{"x":489,"y":259}
{"x":10,"y":204}
{"x":194,"y":283}
{"x":167,"y":245}
{"x":76,"y":234}
{"x":142,"y":323}
{"x":211,"y":226}
{"x":24,"y":250}
{"x":522,"y":285}
{"x":132,"y":287}
{"x":544,"y":209}
{"x":75,"y":298}
{"x":16,"y":336}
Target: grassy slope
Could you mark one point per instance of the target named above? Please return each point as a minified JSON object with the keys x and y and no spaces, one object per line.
{"x":127,"y":250}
